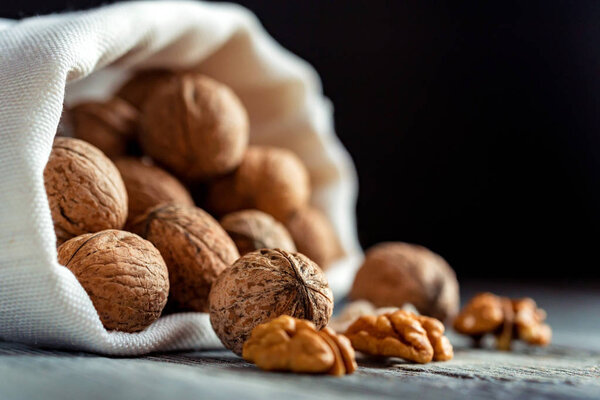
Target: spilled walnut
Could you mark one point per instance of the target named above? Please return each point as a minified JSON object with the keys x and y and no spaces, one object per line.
{"x":263,"y":285}
{"x":396,"y":273}
{"x":85,"y":191}
{"x":507,"y":319}
{"x":269,"y":179}
{"x":206,"y":123}
{"x":195,"y":248}
{"x":124,"y":275}
{"x":290,"y":344}
{"x":314,"y":236}
{"x":401,"y":334}
{"x":148,"y":186}
{"x":254,"y":230}
{"x":111,"y":126}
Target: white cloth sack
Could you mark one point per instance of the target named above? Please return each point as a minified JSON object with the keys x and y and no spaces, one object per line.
{"x":47,"y":60}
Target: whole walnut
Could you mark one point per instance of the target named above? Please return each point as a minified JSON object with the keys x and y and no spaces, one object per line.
{"x":269,"y":179}
{"x":254,"y":230}
{"x":261,"y":286}
{"x":195,"y":248}
{"x":314,"y":236}
{"x":140,"y":86}
{"x":124,"y":275}
{"x":111,"y":126}
{"x":195,"y":126}
{"x":396,"y":273}
{"x":148,"y":186}
{"x":85,"y":191}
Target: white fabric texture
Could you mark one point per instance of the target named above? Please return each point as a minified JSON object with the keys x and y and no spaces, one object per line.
{"x":47,"y":60}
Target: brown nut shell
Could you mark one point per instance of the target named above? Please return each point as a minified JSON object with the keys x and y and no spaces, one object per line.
{"x":269,"y":179}
{"x":110,"y":126}
{"x":195,"y":248}
{"x":85,"y":191}
{"x":396,"y":273}
{"x":254,"y":230}
{"x":148,"y":186}
{"x":140,"y":86}
{"x":124,"y":275}
{"x":263,"y":285}
{"x":314,"y":236}
{"x":195,"y":126}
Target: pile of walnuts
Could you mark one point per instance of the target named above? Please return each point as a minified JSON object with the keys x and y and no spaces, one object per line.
{"x":159,"y":203}
{"x":137,"y":185}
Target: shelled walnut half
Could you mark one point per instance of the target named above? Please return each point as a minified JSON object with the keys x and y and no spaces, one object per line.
{"x":401,"y":334}
{"x":290,"y":344}
{"x":507,"y":319}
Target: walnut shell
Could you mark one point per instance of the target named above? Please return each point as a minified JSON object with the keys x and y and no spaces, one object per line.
{"x":314,"y":236}
{"x":85,"y":191}
{"x":195,"y":126}
{"x":254,"y":230}
{"x":124,"y":275}
{"x":269,"y":179}
{"x":396,"y":273}
{"x":148,"y":186}
{"x":141,"y":85}
{"x":261,"y":286}
{"x":110,"y":126}
{"x":195,"y":248}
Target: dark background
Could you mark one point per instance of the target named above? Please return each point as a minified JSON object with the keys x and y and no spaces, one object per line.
{"x":475,"y":128}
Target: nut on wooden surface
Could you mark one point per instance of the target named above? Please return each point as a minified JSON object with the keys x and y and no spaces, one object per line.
{"x":110,"y":126}
{"x":85,"y":190}
{"x":195,"y":126}
{"x":507,"y":319}
{"x":401,"y":334}
{"x":195,"y":247}
{"x":137,"y":89}
{"x":148,"y":186}
{"x":395,"y":273}
{"x":263,"y":285}
{"x":269,"y":179}
{"x":124,"y":275}
{"x":254,"y":230}
{"x":314,"y":236}
{"x":290,"y":344}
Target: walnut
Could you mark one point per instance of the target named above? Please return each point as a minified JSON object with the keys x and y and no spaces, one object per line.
{"x":254,"y":230}
{"x":395,"y":273}
{"x":290,"y":344}
{"x":401,"y":334}
{"x":141,"y":86}
{"x":357,"y":308}
{"x":206,"y":123}
{"x":111,"y":126}
{"x":263,"y":285}
{"x":85,"y":190}
{"x":507,"y":319}
{"x":148,"y":186}
{"x":124,"y":275}
{"x":314,"y":236}
{"x":269,"y":179}
{"x":195,"y":248}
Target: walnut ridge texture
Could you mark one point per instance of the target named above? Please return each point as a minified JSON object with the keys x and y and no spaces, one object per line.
{"x":314,"y":236}
{"x":195,"y":126}
{"x":85,"y":190}
{"x":124,"y":275}
{"x":195,"y":247}
{"x":110,"y":125}
{"x":395,"y":273}
{"x":254,"y":230}
{"x":263,"y":285}
{"x":269,"y":179}
{"x":290,"y":344}
{"x":142,"y":84}
{"x":148,"y":186}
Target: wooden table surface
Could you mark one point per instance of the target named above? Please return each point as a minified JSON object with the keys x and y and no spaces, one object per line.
{"x":569,"y":368}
